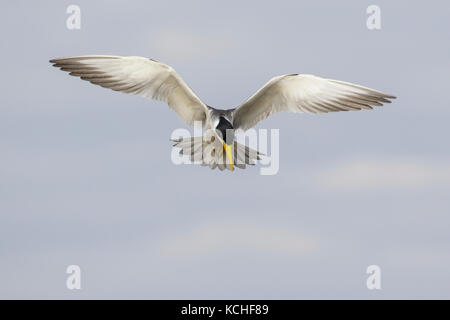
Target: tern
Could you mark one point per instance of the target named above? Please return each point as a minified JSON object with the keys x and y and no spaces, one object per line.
{"x":297,"y":93}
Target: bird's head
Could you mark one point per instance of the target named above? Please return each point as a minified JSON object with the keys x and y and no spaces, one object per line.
{"x":225,"y":131}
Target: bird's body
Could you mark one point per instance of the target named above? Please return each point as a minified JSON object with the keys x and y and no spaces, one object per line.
{"x":217,"y":148}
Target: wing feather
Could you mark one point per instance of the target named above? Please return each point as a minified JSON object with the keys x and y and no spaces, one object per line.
{"x":138,"y":75}
{"x":308,"y":94}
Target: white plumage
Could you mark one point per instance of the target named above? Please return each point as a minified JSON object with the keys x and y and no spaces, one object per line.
{"x":155,"y":80}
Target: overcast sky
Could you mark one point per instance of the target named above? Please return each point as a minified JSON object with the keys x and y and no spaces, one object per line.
{"x":86,"y":176}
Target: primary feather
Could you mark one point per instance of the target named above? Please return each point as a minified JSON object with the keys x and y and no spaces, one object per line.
{"x":137,"y":75}
{"x":305,"y":93}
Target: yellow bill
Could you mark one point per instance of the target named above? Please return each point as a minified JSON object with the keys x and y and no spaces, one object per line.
{"x":229,"y":153}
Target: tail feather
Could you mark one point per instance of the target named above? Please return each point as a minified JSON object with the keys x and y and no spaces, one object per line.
{"x":211,"y":153}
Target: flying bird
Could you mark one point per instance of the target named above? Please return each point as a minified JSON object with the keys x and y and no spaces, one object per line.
{"x":298,"y":93}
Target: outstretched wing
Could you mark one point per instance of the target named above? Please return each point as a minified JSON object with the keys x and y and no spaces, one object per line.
{"x":138,"y":75}
{"x":305,"y":93}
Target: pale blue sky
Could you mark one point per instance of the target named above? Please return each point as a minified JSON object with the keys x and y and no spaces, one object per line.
{"x":86,"y":176}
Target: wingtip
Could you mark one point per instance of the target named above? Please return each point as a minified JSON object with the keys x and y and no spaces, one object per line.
{"x":54,"y":62}
{"x":389,"y":96}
